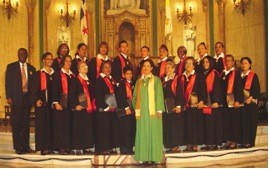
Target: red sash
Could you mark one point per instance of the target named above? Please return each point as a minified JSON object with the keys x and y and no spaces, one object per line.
{"x":210,"y":81}
{"x":249,"y":80}
{"x":181,"y":64}
{"x":98,"y":65}
{"x":174,"y":85}
{"x":162,"y":69}
{"x":64,"y":83}
{"x":188,"y":89}
{"x":109,"y":85}
{"x":43,"y":80}
{"x":129,"y":90}
{"x":90,"y":107}
{"x":231,"y":82}
{"x":122,"y":62}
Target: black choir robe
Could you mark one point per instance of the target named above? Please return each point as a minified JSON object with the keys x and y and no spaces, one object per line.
{"x":56,"y":66}
{"x":43,"y":114}
{"x":157,"y":68}
{"x":127,"y":123}
{"x":182,"y":62}
{"x":106,"y":123}
{"x":173,"y":123}
{"x":61,"y":118}
{"x":232,"y":116}
{"x":74,"y":66}
{"x":219,"y":64}
{"x":82,"y":121}
{"x":194,"y":119}
{"x":214,"y":121}
{"x":117,"y":67}
{"x":93,"y":70}
{"x":250,"y":113}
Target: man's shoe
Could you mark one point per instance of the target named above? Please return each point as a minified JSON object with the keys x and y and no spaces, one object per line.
{"x":29,"y":150}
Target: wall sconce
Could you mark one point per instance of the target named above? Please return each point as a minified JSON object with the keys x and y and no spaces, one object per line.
{"x":241,"y":5}
{"x":184,"y":16}
{"x":67,"y":18}
{"x":9,"y":9}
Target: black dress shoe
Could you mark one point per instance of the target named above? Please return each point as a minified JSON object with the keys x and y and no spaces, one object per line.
{"x":204,"y":148}
{"x":242,"y":146}
{"x":19,"y":152}
{"x":112,"y":152}
{"x":62,"y":152}
{"x":79,"y":152}
{"x":87,"y":152}
{"x":233,"y":146}
{"x":70,"y":152}
{"x":29,"y":150}
{"x":225,"y":147}
{"x":46,"y":152}
{"x":249,"y":146}
{"x":212,"y":148}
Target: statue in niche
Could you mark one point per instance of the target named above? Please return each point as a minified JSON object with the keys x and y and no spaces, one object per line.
{"x":124,"y":4}
{"x":189,"y":36}
{"x":117,"y":6}
{"x":63,"y":35}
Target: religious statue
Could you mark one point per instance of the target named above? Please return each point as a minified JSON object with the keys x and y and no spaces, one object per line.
{"x":64,"y":35}
{"x":124,"y":4}
{"x":189,"y":37}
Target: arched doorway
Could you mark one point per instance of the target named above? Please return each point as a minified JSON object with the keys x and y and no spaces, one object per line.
{"x":127,"y":33}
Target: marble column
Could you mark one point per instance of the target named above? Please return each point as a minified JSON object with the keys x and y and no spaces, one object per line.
{"x":91,"y":27}
{"x":221,"y":8}
{"x":30,"y":4}
{"x":206,"y":10}
{"x":46,"y":10}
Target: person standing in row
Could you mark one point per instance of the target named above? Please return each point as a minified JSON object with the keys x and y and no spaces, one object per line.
{"x":202,"y":52}
{"x":82,"y":107}
{"x":159,"y":70}
{"x":181,"y":53}
{"x":144,"y":52}
{"x":61,"y":113}
{"x":192,"y":94}
{"x":250,"y":110}
{"x":219,"y":57}
{"x":213,"y":120}
{"x":81,"y":55}
{"x":127,"y":121}
{"x":148,"y":104}
{"x":121,"y":61}
{"x":18,"y":76}
{"x":173,"y":120}
{"x":41,"y":98}
{"x":106,"y":120}
{"x":95,"y":63}
{"x":233,"y":98}
{"x":62,"y":51}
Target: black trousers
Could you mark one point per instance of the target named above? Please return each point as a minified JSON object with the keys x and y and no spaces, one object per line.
{"x":20,"y":119}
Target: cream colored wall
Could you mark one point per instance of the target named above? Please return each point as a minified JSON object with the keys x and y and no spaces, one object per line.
{"x":245,"y":36}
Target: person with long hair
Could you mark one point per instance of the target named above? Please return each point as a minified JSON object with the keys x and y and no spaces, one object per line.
{"x":202,"y":52}
{"x":41,"y":98}
{"x":250,"y":110}
{"x":148,"y":104}
{"x":62,"y":51}
{"x":61,"y":114}
{"x":80,"y":55}
{"x":213,"y":119}
{"x":159,"y":69}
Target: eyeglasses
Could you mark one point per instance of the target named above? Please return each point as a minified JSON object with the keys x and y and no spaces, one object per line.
{"x":64,"y":49}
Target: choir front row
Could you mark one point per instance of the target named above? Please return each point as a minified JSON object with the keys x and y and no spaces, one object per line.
{"x":206,"y":107}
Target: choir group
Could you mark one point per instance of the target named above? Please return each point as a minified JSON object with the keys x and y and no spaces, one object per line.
{"x":105,"y":104}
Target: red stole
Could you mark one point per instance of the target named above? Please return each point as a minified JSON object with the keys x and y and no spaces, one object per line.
{"x":98,"y":65}
{"x":231,"y":82}
{"x":122,"y":62}
{"x":128,"y":90}
{"x":64,"y":83}
{"x":209,"y":85}
{"x":90,"y":107}
{"x":249,"y":80}
{"x":188,"y":89}
{"x":181,"y":64}
{"x":109,"y":85}
{"x":43,"y":80}
{"x":174,"y":85}
{"x":162,"y":69}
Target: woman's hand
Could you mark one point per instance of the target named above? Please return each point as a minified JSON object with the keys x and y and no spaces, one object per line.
{"x":159,"y":115}
{"x":248,"y":101}
{"x":39,"y":103}
{"x":58,"y":106}
{"x":177,"y":109}
{"x":200,"y":105}
{"x":236,"y":105}
{"x":128,"y":111}
{"x":79,"y":107}
{"x":215,"y":105}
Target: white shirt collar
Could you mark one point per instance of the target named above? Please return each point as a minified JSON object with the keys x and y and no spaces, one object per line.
{"x":77,"y":57}
{"x":44,"y":70}
{"x":129,"y":81}
{"x":199,"y":59}
{"x":70,"y":72}
{"x":103,"y":75}
{"x":145,"y":58}
{"x":144,"y":77}
{"x":185,"y":73}
{"x":163,"y":59}
{"x":220,"y":56}
{"x":25,"y":64}
{"x":228,"y":71}
{"x":83,"y":77}
{"x":125,"y":56}
{"x":99,"y":56}
{"x":243,"y":75}
{"x":171,"y":78}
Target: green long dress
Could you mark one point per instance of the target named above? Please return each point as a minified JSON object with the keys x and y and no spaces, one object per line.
{"x":149,"y":130}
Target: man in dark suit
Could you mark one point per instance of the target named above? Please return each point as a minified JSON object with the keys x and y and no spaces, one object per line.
{"x":18,"y":77}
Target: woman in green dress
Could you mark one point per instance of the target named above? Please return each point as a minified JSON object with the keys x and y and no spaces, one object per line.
{"x":148,"y":104}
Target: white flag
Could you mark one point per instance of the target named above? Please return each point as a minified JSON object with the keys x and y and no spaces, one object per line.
{"x":168,"y":20}
{"x":84,"y":22}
